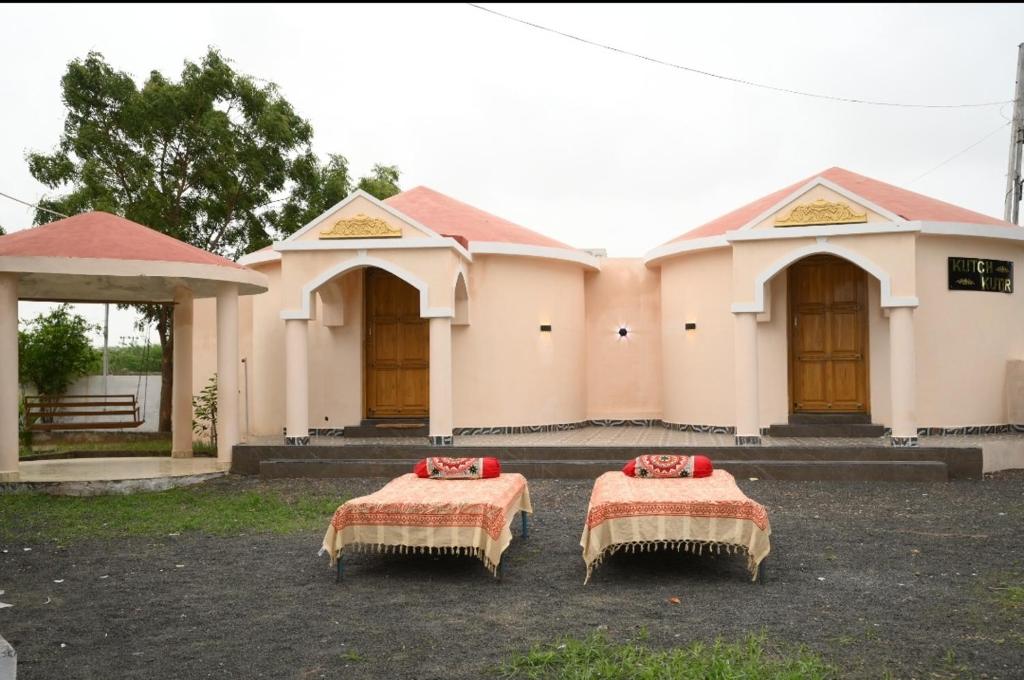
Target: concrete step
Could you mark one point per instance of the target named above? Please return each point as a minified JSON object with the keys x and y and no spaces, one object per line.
{"x":960,"y":462}
{"x":370,"y":422}
{"x":388,"y":428}
{"x":827,"y":430}
{"x":790,"y":470}
{"x":829,"y":419}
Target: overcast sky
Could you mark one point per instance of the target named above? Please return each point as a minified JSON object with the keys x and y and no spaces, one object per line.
{"x":591,"y":147}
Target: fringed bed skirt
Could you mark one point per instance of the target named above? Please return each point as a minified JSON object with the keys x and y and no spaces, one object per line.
{"x":712,"y":515}
{"x":383,"y":549}
{"x":412,"y":515}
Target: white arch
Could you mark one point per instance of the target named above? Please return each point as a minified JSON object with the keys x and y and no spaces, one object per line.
{"x":307,"y":310}
{"x":824,"y":247}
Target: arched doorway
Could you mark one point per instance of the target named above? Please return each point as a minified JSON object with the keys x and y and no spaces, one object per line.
{"x":828,"y":336}
{"x":396,"y":349}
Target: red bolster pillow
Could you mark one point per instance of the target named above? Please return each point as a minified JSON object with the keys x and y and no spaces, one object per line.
{"x":457,"y":468}
{"x":667,"y":466}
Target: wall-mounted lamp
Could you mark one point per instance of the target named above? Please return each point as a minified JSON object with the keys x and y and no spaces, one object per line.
{"x":545,"y":328}
{"x":691,"y":326}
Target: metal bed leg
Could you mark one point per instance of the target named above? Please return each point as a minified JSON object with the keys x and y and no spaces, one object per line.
{"x":526,"y":525}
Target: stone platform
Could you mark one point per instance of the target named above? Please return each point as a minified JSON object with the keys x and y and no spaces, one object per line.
{"x":111,"y":475}
{"x":589,"y":451}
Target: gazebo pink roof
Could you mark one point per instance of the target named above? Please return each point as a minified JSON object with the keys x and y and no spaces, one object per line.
{"x":103,"y":235}
{"x":907,"y":204}
{"x":97,"y":256}
{"x":451,"y":217}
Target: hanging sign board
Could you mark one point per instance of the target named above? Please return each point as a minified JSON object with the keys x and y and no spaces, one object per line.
{"x":971,"y":273}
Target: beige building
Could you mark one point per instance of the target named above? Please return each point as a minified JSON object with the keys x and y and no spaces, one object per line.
{"x":836,"y":299}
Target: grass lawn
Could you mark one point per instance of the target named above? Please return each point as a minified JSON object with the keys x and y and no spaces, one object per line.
{"x":595,"y":658}
{"x":205,"y":509}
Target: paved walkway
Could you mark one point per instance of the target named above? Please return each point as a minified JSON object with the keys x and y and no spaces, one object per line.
{"x":645,"y":436}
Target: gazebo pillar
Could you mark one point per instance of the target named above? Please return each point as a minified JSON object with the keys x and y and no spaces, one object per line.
{"x":296,"y":382}
{"x":181,"y":392}
{"x":441,"y":381}
{"x":8,"y":377}
{"x":227,"y":370}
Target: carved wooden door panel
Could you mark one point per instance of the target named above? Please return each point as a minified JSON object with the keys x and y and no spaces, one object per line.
{"x":397,"y":349}
{"x":828,"y":336}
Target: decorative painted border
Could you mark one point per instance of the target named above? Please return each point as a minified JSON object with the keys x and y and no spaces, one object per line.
{"x":296,"y":441}
{"x":968,"y":430}
{"x":327,"y":431}
{"x":718,"y":429}
{"x":520,"y":429}
{"x":627,"y":422}
{"x":601,"y":422}
{"x":441,"y":440}
{"x":706,"y":429}
{"x":904,"y":442}
{"x":964,"y":430}
{"x":748,"y":440}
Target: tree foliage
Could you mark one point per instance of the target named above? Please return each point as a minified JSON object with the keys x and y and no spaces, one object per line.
{"x":204,"y":411}
{"x":382,"y":183}
{"x":54,"y":350}
{"x":217,"y":159}
{"x":131,"y":359}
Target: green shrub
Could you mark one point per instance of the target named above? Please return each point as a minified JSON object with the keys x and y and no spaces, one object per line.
{"x":54,"y":350}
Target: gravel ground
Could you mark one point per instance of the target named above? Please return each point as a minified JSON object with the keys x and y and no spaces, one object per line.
{"x":890,"y":577}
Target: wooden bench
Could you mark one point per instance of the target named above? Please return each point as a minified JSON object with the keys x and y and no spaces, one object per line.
{"x":44,"y":413}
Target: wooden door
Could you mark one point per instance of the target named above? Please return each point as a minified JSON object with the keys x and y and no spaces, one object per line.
{"x":828,"y":336}
{"x":397,"y":349}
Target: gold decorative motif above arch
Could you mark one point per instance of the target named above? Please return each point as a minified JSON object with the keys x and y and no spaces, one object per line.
{"x":360,"y":226}
{"x":821,"y":212}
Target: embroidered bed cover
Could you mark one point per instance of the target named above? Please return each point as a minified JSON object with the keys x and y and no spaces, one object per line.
{"x":466,"y":516}
{"x":631,"y":513}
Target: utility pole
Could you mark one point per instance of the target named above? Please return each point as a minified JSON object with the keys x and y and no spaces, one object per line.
{"x":1011,"y":212}
{"x":106,"y":338}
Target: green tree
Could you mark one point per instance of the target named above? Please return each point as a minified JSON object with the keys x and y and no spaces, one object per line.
{"x":217,"y":159}
{"x":129,"y":359}
{"x":2,"y":232}
{"x":54,"y":350}
{"x":382,"y":183}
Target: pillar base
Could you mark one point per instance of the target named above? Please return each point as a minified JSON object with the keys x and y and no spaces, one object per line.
{"x":904,"y":442}
{"x":9,"y":476}
{"x":442,"y":440}
{"x":296,"y":441}
{"x":188,"y":453}
{"x":748,"y":440}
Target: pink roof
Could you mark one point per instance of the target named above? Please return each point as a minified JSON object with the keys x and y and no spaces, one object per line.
{"x":907,"y":204}
{"x":100,"y":235}
{"x":448,"y":216}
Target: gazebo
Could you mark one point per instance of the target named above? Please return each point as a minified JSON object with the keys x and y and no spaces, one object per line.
{"x":99,"y":257}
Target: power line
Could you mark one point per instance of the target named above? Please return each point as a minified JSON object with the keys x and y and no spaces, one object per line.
{"x":960,"y":153}
{"x":32,"y":205}
{"x":741,"y":81}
